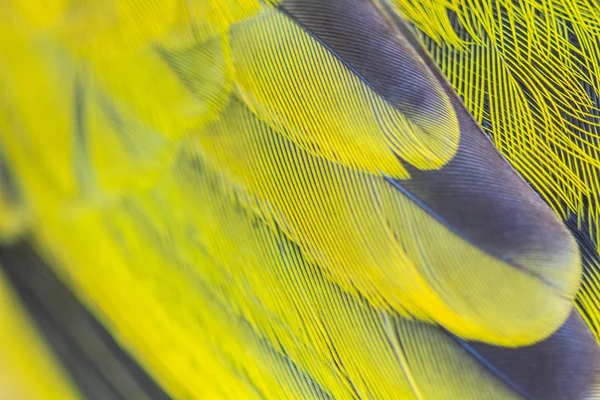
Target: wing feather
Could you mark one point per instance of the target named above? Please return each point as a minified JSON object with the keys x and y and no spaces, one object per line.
{"x":287,"y":200}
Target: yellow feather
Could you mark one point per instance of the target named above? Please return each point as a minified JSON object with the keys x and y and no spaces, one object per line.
{"x":227,"y":193}
{"x":533,"y":80}
{"x":529,"y":72}
{"x":331,"y":112}
{"x":27,"y":369}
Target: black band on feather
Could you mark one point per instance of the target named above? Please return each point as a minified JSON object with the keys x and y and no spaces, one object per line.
{"x":99,"y":367}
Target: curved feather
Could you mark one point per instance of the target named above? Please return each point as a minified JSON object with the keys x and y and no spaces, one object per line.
{"x":285,"y":201}
{"x":529,"y":73}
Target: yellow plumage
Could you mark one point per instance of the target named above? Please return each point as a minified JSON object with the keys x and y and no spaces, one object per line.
{"x":530,"y":73}
{"x":28,"y":370}
{"x":237,"y":193}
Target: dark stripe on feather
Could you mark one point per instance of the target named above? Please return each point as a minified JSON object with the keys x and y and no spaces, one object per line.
{"x":99,"y":367}
{"x":363,"y":39}
{"x":9,"y":191}
{"x":477,"y":193}
{"x":564,"y":366}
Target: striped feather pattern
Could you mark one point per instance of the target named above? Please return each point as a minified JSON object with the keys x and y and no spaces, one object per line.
{"x":287,"y":200}
{"x":529,"y":73}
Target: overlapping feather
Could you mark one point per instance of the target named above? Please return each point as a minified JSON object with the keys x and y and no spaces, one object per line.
{"x":256,"y":210}
{"x":529,"y":72}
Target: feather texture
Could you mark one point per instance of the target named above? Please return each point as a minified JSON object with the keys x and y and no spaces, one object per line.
{"x":529,"y":73}
{"x":284,"y":200}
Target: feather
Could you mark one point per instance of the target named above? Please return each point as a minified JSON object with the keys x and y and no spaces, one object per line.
{"x":528,"y":72}
{"x":99,"y":367}
{"x":28,"y":368}
{"x":285,"y":200}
